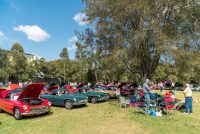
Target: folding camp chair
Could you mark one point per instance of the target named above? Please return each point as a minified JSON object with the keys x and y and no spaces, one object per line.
{"x":169,"y":107}
{"x":123,"y":101}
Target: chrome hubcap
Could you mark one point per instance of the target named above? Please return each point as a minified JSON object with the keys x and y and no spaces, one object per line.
{"x":68,"y":105}
{"x":93,"y":100}
{"x":17,"y":113}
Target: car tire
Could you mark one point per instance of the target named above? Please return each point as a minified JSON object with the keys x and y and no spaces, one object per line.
{"x":94,"y":100}
{"x":108,"y":97}
{"x":84,"y":105}
{"x":17,"y":114}
{"x":1,"y":110}
{"x":68,"y":104}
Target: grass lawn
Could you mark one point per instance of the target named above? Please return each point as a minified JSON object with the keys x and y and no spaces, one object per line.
{"x":104,"y":118}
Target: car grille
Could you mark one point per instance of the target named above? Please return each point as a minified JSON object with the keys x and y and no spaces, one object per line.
{"x":39,"y":110}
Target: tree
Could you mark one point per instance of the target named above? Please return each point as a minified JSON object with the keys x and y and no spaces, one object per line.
{"x":64,"y":54}
{"x":142,"y":31}
{"x":17,"y":48}
{"x":64,"y":57}
{"x":19,"y":62}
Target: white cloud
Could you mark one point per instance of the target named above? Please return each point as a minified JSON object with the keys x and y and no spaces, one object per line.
{"x":81,"y":19}
{"x":69,"y":48}
{"x":73,"y":40}
{"x":72,"y":43}
{"x":34,"y":33}
{"x":1,"y":34}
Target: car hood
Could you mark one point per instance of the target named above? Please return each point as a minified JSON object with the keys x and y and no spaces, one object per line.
{"x":77,"y":96}
{"x":32,"y":91}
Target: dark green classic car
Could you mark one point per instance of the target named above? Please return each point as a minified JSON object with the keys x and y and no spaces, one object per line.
{"x":62,"y":98}
{"x":93,"y":97}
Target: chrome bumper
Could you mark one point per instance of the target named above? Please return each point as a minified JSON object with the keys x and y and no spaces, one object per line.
{"x":37,"y":111}
{"x":81,"y":102}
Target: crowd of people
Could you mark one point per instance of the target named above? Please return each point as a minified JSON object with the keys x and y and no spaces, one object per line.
{"x":170,"y":97}
{"x":144,"y":90}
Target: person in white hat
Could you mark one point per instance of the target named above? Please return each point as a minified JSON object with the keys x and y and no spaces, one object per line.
{"x":188,"y":99}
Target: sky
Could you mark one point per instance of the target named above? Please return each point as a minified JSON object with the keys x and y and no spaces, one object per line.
{"x":42,"y":27}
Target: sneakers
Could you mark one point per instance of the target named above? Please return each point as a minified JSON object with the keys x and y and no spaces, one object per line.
{"x":185,"y":113}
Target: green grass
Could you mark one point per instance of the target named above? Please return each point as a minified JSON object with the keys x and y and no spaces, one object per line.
{"x":103,"y":118}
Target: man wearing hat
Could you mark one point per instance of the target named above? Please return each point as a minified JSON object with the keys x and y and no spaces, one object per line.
{"x":146,"y":89}
{"x":188,"y":99}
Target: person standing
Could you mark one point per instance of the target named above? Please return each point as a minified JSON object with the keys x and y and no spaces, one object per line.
{"x":188,"y":99}
{"x":146,"y":89}
{"x":172,"y":85}
{"x":160,"y":85}
{"x":1,"y":84}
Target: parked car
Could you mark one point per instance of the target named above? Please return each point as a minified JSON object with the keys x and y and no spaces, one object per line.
{"x":104,"y":89}
{"x":63,"y":98}
{"x":69,"y":88}
{"x":48,"y":88}
{"x":93,"y":97}
{"x":73,"y":89}
{"x":13,"y":86}
{"x":179,"y":86}
{"x":124,"y":89}
{"x":24,"y":103}
{"x":195,"y":87}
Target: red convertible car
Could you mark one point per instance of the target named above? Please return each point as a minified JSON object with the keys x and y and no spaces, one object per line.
{"x":124,"y":88}
{"x":24,"y":103}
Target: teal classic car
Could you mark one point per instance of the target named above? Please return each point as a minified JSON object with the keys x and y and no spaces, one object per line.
{"x":62,"y":98}
{"x":93,"y":97}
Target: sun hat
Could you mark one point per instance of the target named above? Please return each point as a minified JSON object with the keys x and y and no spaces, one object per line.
{"x":147,"y":80}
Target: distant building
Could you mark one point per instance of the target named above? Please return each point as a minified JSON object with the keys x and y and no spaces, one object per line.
{"x":30,"y":57}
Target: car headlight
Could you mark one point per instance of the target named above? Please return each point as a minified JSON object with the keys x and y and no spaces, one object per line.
{"x":24,"y":107}
{"x":74,"y":99}
{"x":49,"y":103}
{"x":99,"y":96}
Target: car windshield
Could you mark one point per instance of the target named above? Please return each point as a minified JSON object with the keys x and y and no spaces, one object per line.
{"x":125,"y":86}
{"x":14,"y":96}
{"x":111,"y":88}
{"x":58,"y":92}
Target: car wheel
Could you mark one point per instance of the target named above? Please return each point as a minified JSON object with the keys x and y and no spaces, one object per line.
{"x":68,"y":104}
{"x":109,"y":97}
{"x":84,"y":105}
{"x":94,"y":100}
{"x":17,"y":114}
{"x":1,"y":110}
